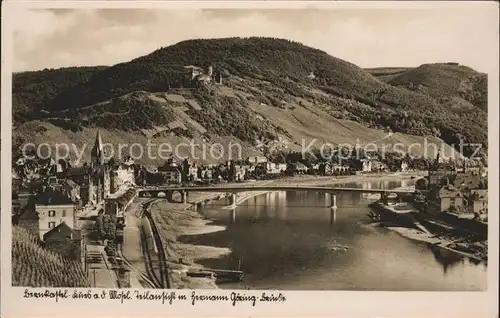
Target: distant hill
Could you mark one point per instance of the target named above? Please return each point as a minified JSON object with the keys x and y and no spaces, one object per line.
{"x":270,"y":86}
{"x":444,"y":81}
{"x":34,"y":266}
{"x":386,"y":73}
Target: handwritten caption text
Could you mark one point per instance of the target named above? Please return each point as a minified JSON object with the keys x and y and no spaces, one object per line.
{"x":164,"y":296}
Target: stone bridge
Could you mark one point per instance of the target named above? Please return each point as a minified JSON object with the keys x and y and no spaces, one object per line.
{"x":168,"y":191}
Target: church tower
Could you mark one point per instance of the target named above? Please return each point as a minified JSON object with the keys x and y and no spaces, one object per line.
{"x":98,"y":171}
{"x":97,"y":154}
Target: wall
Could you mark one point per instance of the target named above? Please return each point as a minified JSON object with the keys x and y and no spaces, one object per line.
{"x":44,"y":218}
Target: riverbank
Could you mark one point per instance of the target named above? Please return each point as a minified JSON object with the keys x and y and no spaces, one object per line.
{"x":476,"y":250}
{"x":446,"y":237}
{"x":177,"y":219}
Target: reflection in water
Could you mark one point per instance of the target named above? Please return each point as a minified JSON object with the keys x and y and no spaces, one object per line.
{"x":232,"y":213}
{"x":446,"y":258}
{"x":289,"y":240}
{"x":333,"y":215}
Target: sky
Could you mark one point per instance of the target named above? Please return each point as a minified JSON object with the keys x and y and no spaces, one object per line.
{"x":366,"y":37}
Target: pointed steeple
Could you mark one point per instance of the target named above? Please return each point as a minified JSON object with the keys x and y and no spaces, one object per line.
{"x":97,"y":153}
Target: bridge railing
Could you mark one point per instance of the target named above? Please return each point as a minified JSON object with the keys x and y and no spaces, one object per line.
{"x":278,"y":186}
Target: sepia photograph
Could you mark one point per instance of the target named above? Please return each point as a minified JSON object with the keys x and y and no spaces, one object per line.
{"x":253,"y":153}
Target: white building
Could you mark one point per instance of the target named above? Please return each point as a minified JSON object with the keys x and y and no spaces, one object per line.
{"x":256,"y":160}
{"x":404,"y":166}
{"x":480,"y":201}
{"x":172,"y":175}
{"x":366,"y":165}
{"x":275,"y":168}
{"x":52,"y":209}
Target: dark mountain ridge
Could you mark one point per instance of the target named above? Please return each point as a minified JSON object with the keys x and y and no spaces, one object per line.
{"x":275,"y":72}
{"x":31,"y":91}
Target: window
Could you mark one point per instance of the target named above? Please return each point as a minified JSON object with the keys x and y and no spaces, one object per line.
{"x":52,"y":225}
{"x":63,"y":213}
{"x":52,"y":213}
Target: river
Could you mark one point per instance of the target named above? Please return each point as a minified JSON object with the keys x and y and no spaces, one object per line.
{"x":289,"y":240}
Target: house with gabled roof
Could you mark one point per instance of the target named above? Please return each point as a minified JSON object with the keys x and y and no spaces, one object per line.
{"x":65,"y":241}
{"x":451,"y":199}
{"x":171,"y":171}
{"x":479,"y":201}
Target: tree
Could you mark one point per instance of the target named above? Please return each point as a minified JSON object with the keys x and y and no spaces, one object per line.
{"x":185,"y":171}
{"x":109,"y":227}
{"x":232,"y":172}
{"x":110,"y":249}
{"x":100,"y":224}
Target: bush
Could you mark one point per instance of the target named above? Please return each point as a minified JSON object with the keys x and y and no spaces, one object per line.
{"x":422,"y":184}
{"x":109,"y":227}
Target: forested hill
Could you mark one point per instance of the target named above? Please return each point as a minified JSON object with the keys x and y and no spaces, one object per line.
{"x":33,"y":90}
{"x":443,"y":100}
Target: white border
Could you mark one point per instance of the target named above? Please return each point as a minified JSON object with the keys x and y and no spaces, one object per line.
{"x":325,"y":303}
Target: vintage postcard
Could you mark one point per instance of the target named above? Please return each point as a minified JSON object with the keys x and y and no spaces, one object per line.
{"x":249,"y":159}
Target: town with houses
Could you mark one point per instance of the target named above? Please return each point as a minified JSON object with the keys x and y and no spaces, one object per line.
{"x":77,"y":212}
